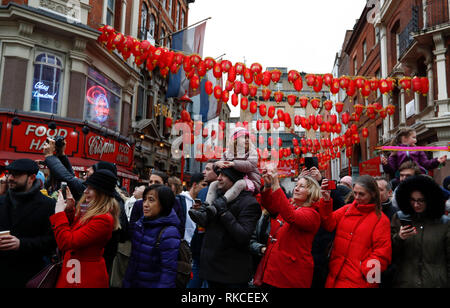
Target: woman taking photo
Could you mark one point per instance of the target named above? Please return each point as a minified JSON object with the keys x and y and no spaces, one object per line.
{"x":362,"y":245}
{"x":421,"y":235}
{"x":287,"y":261}
{"x":153,"y":263}
{"x":82,"y":232}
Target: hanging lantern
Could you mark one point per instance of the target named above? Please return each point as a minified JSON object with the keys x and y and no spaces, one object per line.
{"x":405,"y":83}
{"x":295,"y":142}
{"x":276,"y":76}
{"x":338,"y":129}
{"x":292,"y":99}
{"x":253,"y":107}
{"x":225,"y":96}
{"x":267,"y":78}
{"x":256,"y":68}
{"x":328,"y":104}
{"x":383,"y":113}
{"x":194,"y":82}
{"x":229,"y":86}
{"x":168,"y":122}
{"x":287,"y":120}
{"x":217,"y":71}
{"x":359,"y":82}
{"x":209,"y":87}
{"x":262,"y":110}
{"x":310,"y":79}
{"x":390,"y":109}
{"x":244,"y":103}
{"x":345,"y":117}
{"x":266,"y":94}
{"x":339,"y":107}
{"x":351,"y":89}
{"x":366,"y":90}
{"x":271,"y":112}
{"x":209,"y":63}
{"x":276,"y":123}
{"x":259,"y":125}
{"x":365,"y":132}
{"x":234,"y":100}
{"x":259,"y":79}
{"x":319,"y":119}
{"x":237,"y":87}
{"x":232,"y":74}
{"x":344,"y":82}
{"x":298,"y":85}
{"x":280,"y":115}
{"x":267,"y":125}
{"x":333,"y":119}
{"x":318,"y":83}
{"x":218,"y":92}
{"x":226,"y":66}
{"x":384,"y":86}
{"x":303,"y":101}
{"x":315,"y":103}
{"x":253,"y":90}
{"x":391,"y":84}
{"x":335,"y":85}
{"x":248,"y":76}
{"x":297,"y":120}
{"x":185,"y":116}
{"x":355,"y":117}
{"x":328,"y":79}
{"x":312,"y":119}
{"x":358,"y":109}
{"x":278,"y":96}
{"x":245,"y":91}
{"x":240,"y":68}
{"x":425,"y":86}
{"x":293,"y":76}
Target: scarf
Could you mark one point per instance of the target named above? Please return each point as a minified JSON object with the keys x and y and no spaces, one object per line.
{"x":17,"y":198}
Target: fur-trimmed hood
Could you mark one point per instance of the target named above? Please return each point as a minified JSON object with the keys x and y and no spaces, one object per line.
{"x":432,"y":192}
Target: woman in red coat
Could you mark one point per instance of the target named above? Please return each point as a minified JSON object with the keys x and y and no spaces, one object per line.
{"x":362,"y":245}
{"x":287,"y":261}
{"x":82,"y":233}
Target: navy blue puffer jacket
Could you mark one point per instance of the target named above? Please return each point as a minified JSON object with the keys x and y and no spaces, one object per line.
{"x":149,"y":266}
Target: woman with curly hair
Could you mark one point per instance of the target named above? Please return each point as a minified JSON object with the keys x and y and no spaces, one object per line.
{"x":421,"y":235}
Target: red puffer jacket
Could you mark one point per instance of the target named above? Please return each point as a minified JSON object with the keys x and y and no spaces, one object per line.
{"x":362,"y":243}
{"x":288,"y":260}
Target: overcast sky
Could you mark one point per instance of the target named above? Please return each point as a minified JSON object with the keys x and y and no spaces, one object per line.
{"x":297,"y":34}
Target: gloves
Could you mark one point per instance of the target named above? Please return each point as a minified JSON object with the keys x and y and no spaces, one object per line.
{"x":220,"y":204}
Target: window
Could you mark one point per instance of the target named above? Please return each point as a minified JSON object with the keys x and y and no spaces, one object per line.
{"x":144,"y":22}
{"x":364,"y":51}
{"x":281,"y":129}
{"x":177,"y":16}
{"x":46,"y":83}
{"x":110,"y":13}
{"x":397,"y":44}
{"x":152,"y":26}
{"x":380,"y":133}
{"x":355,"y":66}
{"x":170,"y":8}
{"x":164,"y":4}
{"x":183,"y":17}
{"x":102,"y":104}
{"x":377,"y":35}
{"x":378,"y":75}
{"x":161,"y":37}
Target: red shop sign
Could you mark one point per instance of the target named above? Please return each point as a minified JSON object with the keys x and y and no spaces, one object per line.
{"x":370,"y":167}
{"x":30,"y":136}
{"x":101,"y":148}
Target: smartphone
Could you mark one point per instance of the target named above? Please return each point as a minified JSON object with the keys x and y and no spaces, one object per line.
{"x":63,"y":189}
{"x":311,"y":162}
{"x":331,"y":185}
{"x":5,"y":233}
{"x":406,"y":223}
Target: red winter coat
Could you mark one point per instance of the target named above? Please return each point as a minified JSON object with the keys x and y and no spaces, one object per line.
{"x":84,"y":244}
{"x":288,"y":260}
{"x":362,"y":238}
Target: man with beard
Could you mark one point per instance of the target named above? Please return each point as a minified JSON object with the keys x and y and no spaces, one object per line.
{"x":24,"y":212}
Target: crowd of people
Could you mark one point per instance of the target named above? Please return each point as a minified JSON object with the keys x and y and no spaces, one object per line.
{"x":234,"y":226}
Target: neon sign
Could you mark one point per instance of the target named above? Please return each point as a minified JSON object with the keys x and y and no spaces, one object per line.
{"x":40,"y":86}
{"x":96,"y":96}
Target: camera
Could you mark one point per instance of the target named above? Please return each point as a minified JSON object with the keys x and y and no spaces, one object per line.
{"x":59,"y":143}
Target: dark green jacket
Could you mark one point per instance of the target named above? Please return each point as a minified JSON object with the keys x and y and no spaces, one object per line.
{"x":423,"y":260}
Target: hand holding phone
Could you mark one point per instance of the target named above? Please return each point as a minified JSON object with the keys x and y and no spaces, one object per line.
{"x":64,"y":190}
{"x":330,"y":185}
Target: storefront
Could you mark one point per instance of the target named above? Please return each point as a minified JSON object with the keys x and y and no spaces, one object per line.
{"x":84,"y":148}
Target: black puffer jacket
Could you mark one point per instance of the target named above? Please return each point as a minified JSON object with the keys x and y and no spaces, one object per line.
{"x":225,"y":256}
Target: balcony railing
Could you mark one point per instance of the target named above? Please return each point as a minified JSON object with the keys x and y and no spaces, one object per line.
{"x":435,"y":12}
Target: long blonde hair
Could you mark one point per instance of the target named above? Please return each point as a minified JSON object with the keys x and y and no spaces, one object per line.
{"x":102,"y":204}
{"x":313,"y":188}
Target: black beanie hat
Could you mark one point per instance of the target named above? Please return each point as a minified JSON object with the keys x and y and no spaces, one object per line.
{"x":103,"y":180}
{"x":232,"y":174}
{"x":24,"y":165}
{"x":105,"y":165}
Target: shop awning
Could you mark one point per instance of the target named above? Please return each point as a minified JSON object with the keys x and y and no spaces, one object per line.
{"x":78,"y":164}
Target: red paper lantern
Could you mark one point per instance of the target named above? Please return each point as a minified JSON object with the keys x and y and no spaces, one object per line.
{"x":425,"y":86}
{"x":259,"y":79}
{"x":271,"y":112}
{"x":168,"y":122}
{"x":266,"y":94}
{"x":225,"y":96}
{"x":339,"y":107}
{"x":358,"y":109}
{"x":244,"y":103}
{"x":297,"y":120}
{"x":245,"y":89}
{"x":292,"y":99}
{"x":267,"y":78}
{"x":194,"y":82}
{"x":276,"y":75}
{"x":405,"y":83}
{"x":248,"y":76}
{"x":310,"y":79}
{"x":237,"y":87}
{"x":328,"y":105}
{"x":278,"y":96}
{"x":234,"y":100}
{"x":217,"y":71}
{"x":240,"y":68}
{"x":390,"y":109}
{"x":318,"y":84}
{"x":253,"y":90}
{"x":315,"y":103}
{"x":253,"y":107}
{"x":256,"y":68}
{"x":365,"y":132}
{"x":293,"y":76}
{"x":335,"y":85}
{"x":344,"y":82}
{"x":366,"y":90}
{"x":218,"y":92}
{"x":319,"y":119}
{"x":328,"y":79}
{"x":345,"y":117}
{"x":276,"y":123}
{"x":263,"y":110}
{"x":303,"y":101}
{"x":209,"y":63}
{"x":298,"y":85}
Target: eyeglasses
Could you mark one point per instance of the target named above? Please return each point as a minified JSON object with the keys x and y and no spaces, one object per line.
{"x":418,"y":201}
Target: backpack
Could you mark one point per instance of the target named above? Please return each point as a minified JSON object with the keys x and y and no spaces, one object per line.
{"x":184,"y":266}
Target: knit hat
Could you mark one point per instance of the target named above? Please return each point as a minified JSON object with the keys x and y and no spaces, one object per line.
{"x":41,"y":177}
{"x":105,"y":165}
{"x":103,"y":180}
{"x":446,"y":183}
{"x":238,"y":132}
{"x":347,"y":180}
{"x":24,"y":165}
{"x":232,"y":174}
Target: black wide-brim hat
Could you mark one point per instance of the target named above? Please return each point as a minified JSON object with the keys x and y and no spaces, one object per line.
{"x":103,"y":180}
